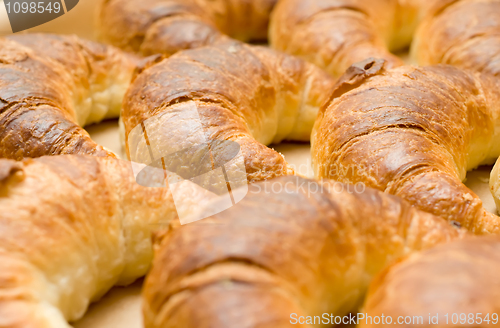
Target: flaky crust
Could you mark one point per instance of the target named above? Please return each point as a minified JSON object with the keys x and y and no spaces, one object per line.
{"x":462,"y":33}
{"x":71,"y":227}
{"x":413,"y":132}
{"x":449,"y":281}
{"x":250,"y":95}
{"x":167,"y":26}
{"x":292,"y":245}
{"x":334,"y":34}
{"x":52,"y":85}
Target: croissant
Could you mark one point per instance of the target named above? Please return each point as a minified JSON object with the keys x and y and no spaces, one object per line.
{"x":452,"y":285}
{"x":72,"y":226}
{"x":334,"y":34}
{"x":412,"y":132}
{"x":249,"y":95}
{"x":167,"y":26}
{"x":310,"y":249}
{"x":495,"y":184}
{"x":462,"y":33}
{"x":52,"y":85}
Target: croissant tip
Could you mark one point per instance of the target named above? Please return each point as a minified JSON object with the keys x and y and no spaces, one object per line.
{"x":355,"y":76}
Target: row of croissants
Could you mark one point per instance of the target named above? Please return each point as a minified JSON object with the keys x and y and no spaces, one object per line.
{"x":75,"y":220}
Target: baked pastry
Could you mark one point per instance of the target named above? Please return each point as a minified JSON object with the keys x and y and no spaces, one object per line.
{"x":50,"y":86}
{"x":167,"y":26}
{"x":413,"y":132}
{"x":334,"y":34}
{"x":495,"y":184}
{"x":250,"y":95}
{"x":461,"y":33}
{"x":452,"y":285}
{"x":72,"y":226}
{"x":311,"y":249}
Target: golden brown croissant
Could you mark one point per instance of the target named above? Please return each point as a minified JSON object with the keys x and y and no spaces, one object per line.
{"x":249,"y":95}
{"x":71,"y":227}
{"x":337,"y":33}
{"x":452,"y":285}
{"x":334,"y":34}
{"x":292,"y":245}
{"x":462,"y":33}
{"x":413,"y":132}
{"x":167,"y":26}
{"x":52,"y":85}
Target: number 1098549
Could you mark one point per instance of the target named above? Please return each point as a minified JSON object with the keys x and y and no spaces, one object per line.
{"x":33,"y":7}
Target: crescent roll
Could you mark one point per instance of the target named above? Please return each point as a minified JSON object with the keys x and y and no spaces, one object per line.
{"x":51,"y":86}
{"x":291,"y":246}
{"x":249,"y":95}
{"x":462,"y":33}
{"x":451,"y":285}
{"x":168,"y":26}
{"x":335,"y":34}
{"x":413,"y":132}
{"x":71,"y":227}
